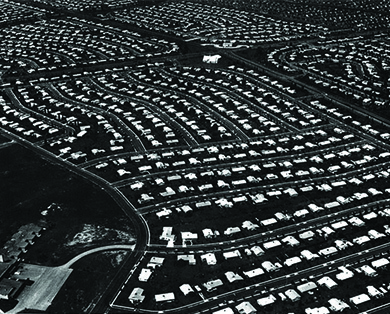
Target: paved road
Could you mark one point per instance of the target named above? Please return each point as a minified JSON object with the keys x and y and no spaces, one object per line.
{"x":126,"y":247}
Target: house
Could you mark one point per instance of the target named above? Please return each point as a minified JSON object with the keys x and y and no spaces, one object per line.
{"x":188,"y":236}
{"x":374,"y":292}
{"x":232,"y":254}
{"x":317,"y":310}
{"x":292,"y":261}
{"x":245,"y":308}
{"x":292,"y":295}
{"x":232,"y":277}
{"x":232,"y":230}
{"x":136,"y":296}
{"x":156,"y":262}
{"x":342,"y":244}
{"x":165,"y":297}
{"x":266,"y":300}
{"x":327,"y":282}
{"x":355,"y":221}
{"x":208,"y":233}
{"x":211,"y":59}
{"x":186,"y":289}
{"x":209,"y":258}
{"x":203,"y":204}
{"x":359,"y":299}
{"x":373,"y":234}
{"x":301,"y":213}
{"x":307,"y":235}
{"x":290,"y":240}
{"x":240,"y":199}
{"x":269,"y":267}
{"x":307,"y":286}
{"x":380,"y":263}
{"x":167,"y":234}
{"x":268,"y":222}
{"x":190,"y":258}
{"x":271,"y":244}
{"x":257,"y":250}
{"x":249,"y":225}
{"x":145,"y":274}
{"x":227,"y":310}
{"x":254,"y":272}
{"x":339,"y":225}
{"x":307,"y":255}
{"x":164,"y":213}
{"x":213,"y":284}
{"x":223,"y":202}
{"x":329,"y":251}
{"x":337,"y":305}
{"x":361,"y":240}
{"x":344,"y":274}
{"x":368,"y":271}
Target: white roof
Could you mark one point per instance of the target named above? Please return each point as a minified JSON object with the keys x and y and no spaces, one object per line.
{"x":268,"y":266}
{"x":356,"y":221}
{"x":271,"y":244}
{"x":189,"y":235}
{"x":267,"y":300}
{"x":170,"y":296}
{"x":186,"y":288}
{"x":268,"y":222}
{"x":307,"y":286}
{"x":339,"y":225}
{"x":136,"y":295}
{"x":361,"y":240}
{"x":212,"y":284}
{"x":327,"y":281}
{"x":327,"y":230}
{"x":235,"y":253}
{"x":368,"y":270}
{"x":245,"y":308}
{"x":306,"y":235}
{"x":306,"y":254}
{"x":327,"y":251}
{"x":209,"y":258}
{"x":232,"y":276}
{"x":380,"y":262}
{"x":290,"y":240}
{"x":292,"y":261}
{"x":359,"y":299}
{"x":301,"y":212}
{"x":370,"y":216}
{"x":317,"y":310}
{"x":292,"y":295}
{"x":145,"y":274}
{"x":338,"y":305}
{"x":207,"y":233}
{"x":345,"y":274}
{"x":227,"y":310}
{"x":257,"y":250}
{"x":373,"y":292}
{"x":254,"y":272}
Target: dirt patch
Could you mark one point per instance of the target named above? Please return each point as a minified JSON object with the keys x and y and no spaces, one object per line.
{"x":92,"y":234}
